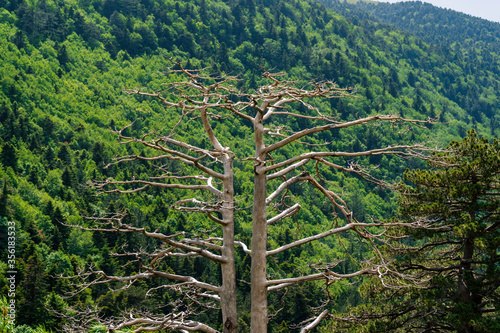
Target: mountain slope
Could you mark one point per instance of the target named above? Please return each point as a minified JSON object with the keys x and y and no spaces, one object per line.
{"x":64,"y":65}
{"x":437,"y":25}
{"x":467,"y":44}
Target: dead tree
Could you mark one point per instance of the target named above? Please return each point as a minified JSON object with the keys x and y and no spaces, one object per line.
{"x":207,"y":99}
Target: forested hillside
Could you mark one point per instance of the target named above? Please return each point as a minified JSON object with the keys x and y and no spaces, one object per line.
{"x":65,"y":64}
{"x":436,"y":25}
{"x":471,"y":43}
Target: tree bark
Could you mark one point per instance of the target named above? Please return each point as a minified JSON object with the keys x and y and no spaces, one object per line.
{"x":228,"y":290}
{"x":228,"y":269}
{"x":259,"y":236}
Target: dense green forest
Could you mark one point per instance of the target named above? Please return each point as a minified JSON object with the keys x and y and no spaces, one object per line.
{"x":471,"y":43}
{"x":64,"y":66}
{"x":433,"y":25}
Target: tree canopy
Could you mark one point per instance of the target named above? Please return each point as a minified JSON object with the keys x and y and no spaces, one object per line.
{"x":456,"y":201}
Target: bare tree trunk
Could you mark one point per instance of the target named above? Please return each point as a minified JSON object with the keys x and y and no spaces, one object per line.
{"x":259,"y":236}
{"x":228,"y":290}
{"x":228,"y":269}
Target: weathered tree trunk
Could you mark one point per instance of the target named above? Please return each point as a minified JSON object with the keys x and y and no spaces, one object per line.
{"x":228,"y":290}
{"x":259,"y":236}
{"x":228,"y":269}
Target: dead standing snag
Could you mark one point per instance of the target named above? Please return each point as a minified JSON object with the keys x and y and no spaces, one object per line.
{"x":208,"y":174}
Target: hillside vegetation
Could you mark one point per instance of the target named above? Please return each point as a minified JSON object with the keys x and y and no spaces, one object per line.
{"x":64,"y":66}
